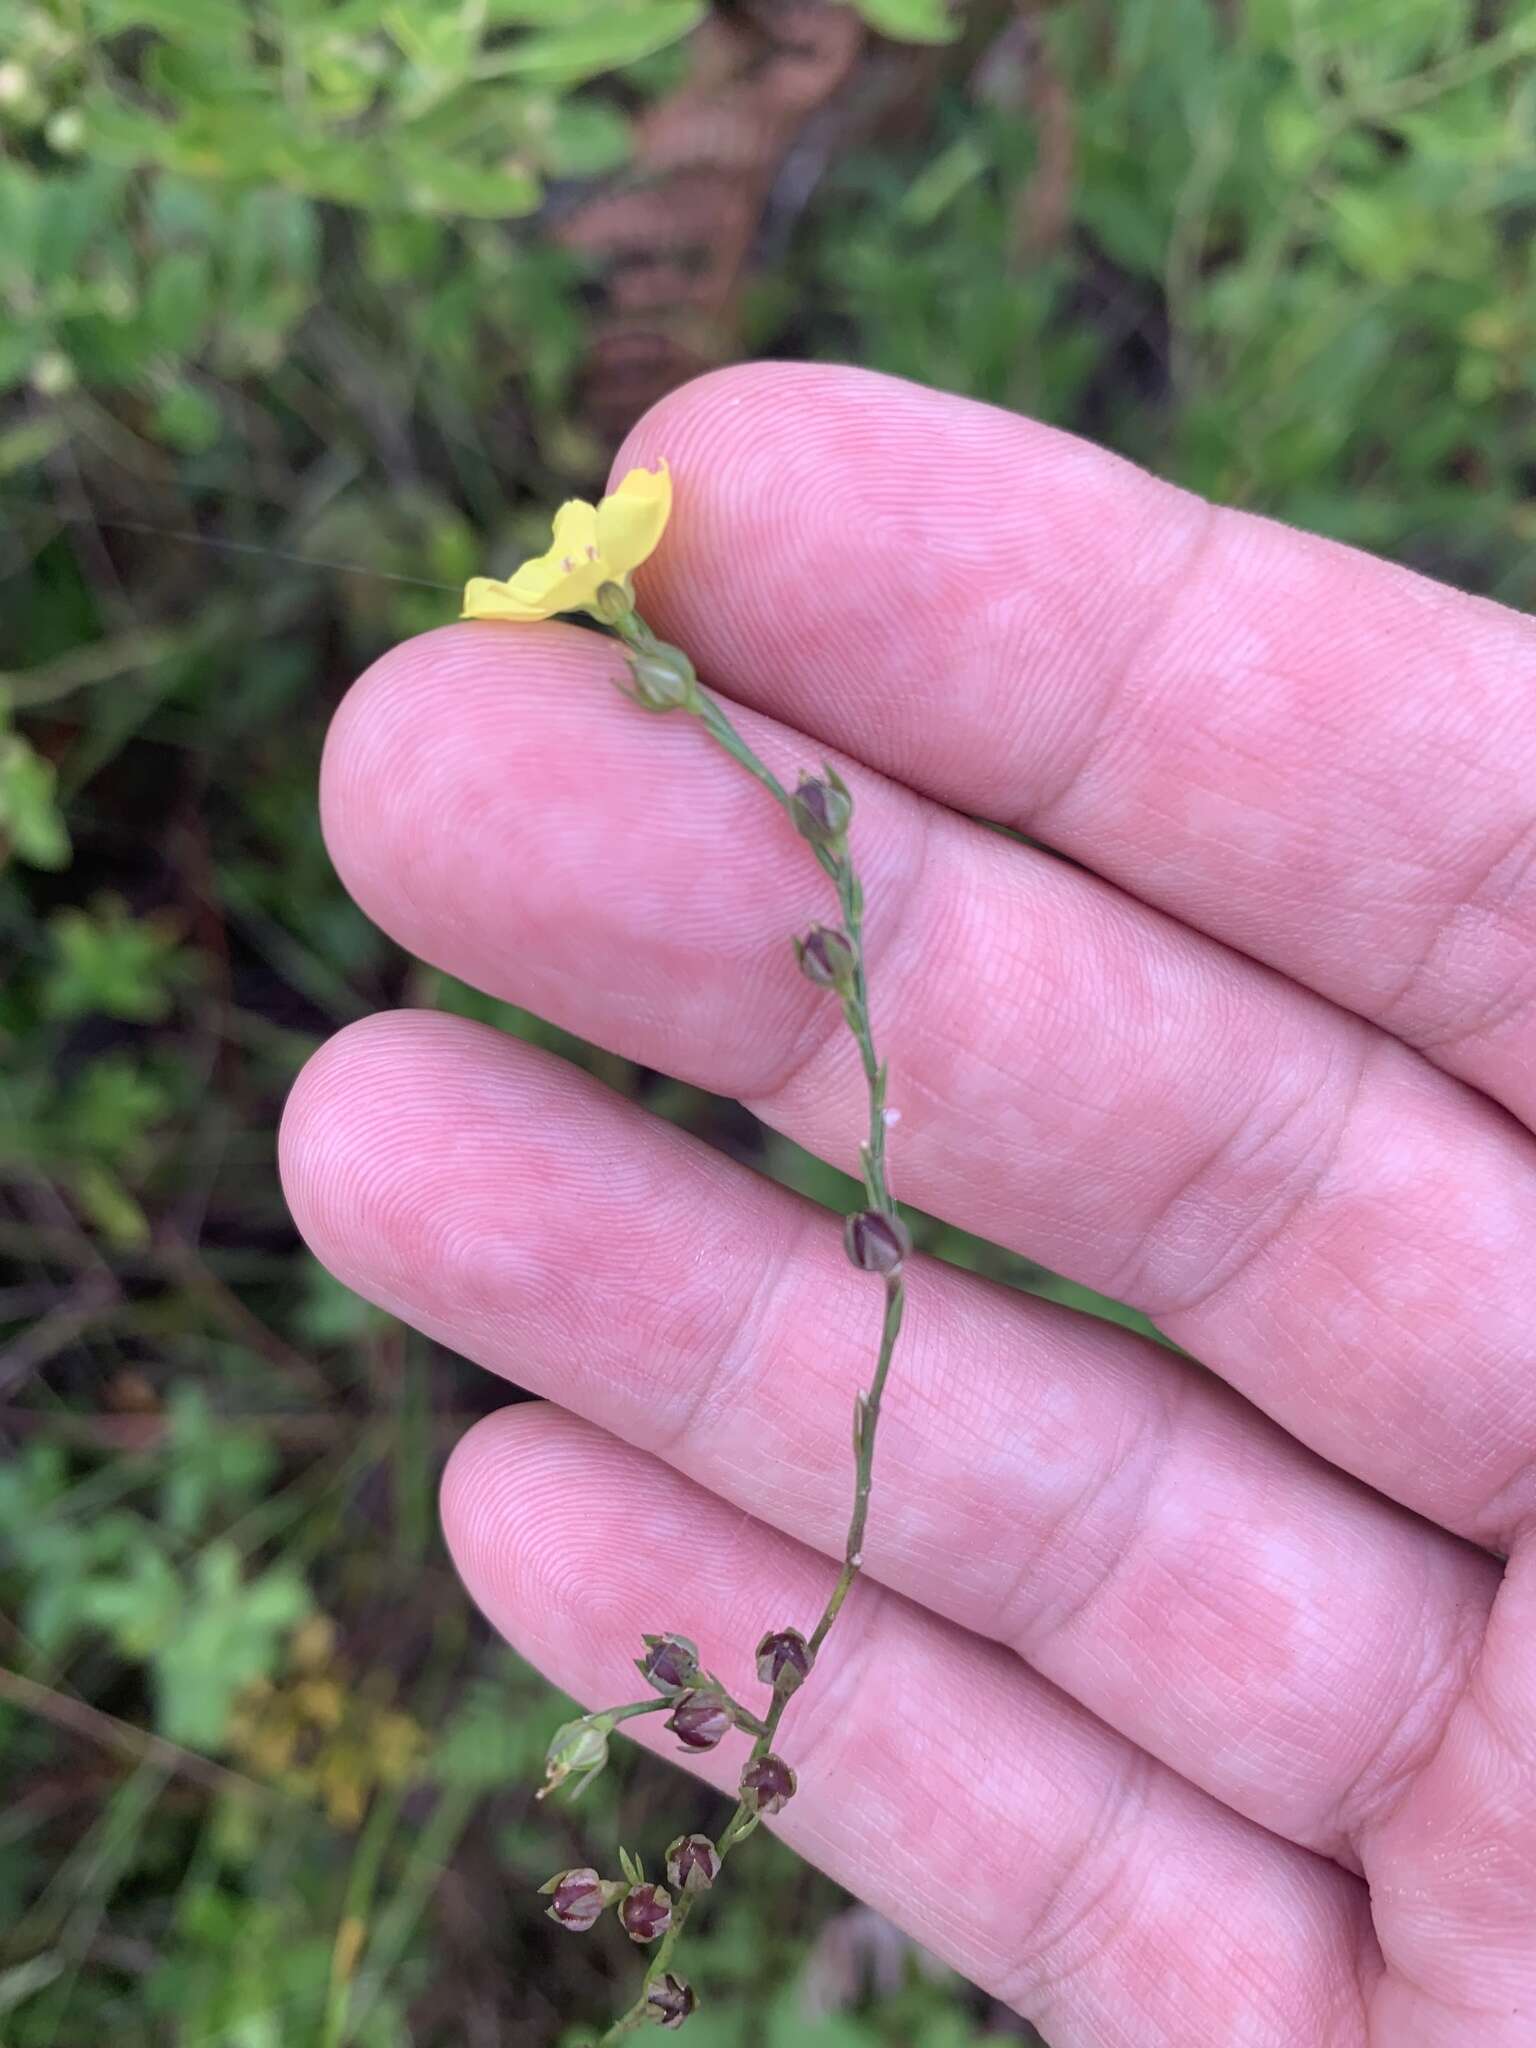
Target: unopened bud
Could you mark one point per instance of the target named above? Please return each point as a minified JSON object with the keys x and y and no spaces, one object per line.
{"x":645,"y":1912}
{"x":700,"y":1720}
{"x":767,"y":1784}
{"x":827,"y":959}
{"x":820,"y":810}
{"x":876,"y":1242}
{"x":577,"y":1898}
{"x":580,"y":1747}
{"x":670,"y":1662}
{"x":784,"y":1660}
{"x":663,"y":677}
{"x":693,"y":1863}
{"x":669,"y":2001}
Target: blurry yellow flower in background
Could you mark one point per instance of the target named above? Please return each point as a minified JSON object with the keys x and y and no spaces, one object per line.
{"x":322,"y":1737}
{"x":592,"y":545}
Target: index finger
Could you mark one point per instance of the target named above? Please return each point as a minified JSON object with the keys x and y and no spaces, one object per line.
{"x":1324,"y":761}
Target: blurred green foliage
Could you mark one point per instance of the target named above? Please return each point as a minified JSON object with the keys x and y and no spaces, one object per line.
{"x":283,"y":329}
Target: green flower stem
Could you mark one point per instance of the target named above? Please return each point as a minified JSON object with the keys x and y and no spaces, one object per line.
{"x":838,"y":865}
{"x":867,"y":1421}
{"x":632,"y":1711}
{"x":744,"y":1717}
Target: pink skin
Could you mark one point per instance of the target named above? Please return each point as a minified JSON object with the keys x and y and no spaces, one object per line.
{"x":1175,"y":1712}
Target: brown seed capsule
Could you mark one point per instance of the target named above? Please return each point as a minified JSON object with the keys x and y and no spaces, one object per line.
{"x":645,"y":1912}
{"x":820,"y":811}
{"x":670,"y":1663}
{"x":693,"y":1863}
{"x":577,"y":1899}
{"x":700,"y":1720}
{"x":767,"y":1784}
{"x":826,"y":958}
{"x":875,"y":1242}
{"x":669,"y":2001}
{"x":784,"y":1660}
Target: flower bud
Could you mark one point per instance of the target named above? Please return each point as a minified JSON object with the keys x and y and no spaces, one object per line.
{"x":663,"y":677}
{"x":767,"y":1784}
{"x":876,"y":1242}
{"x":645,"y":1912}
{"x":784,"y":1660}
{"x":693,"y":1863}
{"x":669,"y":2000}
{"x":820,"y":810}
{"x":670,"y":1663}
{"x":827,"y":959}
{"x":579,"y":1897}
{"x":580,"y":1746}
{"x":700,"y":1720}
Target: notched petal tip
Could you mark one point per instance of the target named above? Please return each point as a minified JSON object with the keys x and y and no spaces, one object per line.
{"x":633,"y":517}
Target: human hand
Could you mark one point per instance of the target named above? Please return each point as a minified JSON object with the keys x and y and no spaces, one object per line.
{"x":1172,"y":1711}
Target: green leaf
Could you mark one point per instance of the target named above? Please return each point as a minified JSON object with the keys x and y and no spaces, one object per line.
{"x":111,"y":1108}
{"x":29,"y":813}
{"x":189,"y":419}
{"x":602,"y":41}
{"x":109,"y":962}
{"x":29,"y":441}
{"x":912,"y":21}
{"x":227,"y":1632}
{"x":140,"y":1609}
{"x":212,"y":1466}
{"x":420,"y":180}
{"x":177,"y":302}
{"x":109,"y":1207}
{"x":584,"y":139}
{"x":216,"y":23}
{"x":443,"y":40}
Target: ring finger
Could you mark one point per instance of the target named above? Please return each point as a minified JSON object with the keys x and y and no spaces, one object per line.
{"x":1264,"y":1625}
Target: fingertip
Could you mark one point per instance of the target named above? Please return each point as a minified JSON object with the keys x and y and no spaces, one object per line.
{"x":403,"y":748}
{"x":953,"y":584}
{"x":553,"y":1526}
{"x":507,"y":1492}
{"x":313,"y":1114}
{"x":355,"y":1117}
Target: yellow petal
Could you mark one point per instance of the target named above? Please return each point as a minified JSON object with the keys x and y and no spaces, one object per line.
{"x":575,"y":529}
{"x":632,"y":518}
{"x":562,"y":580}
{"x":484,"y":598}
{"x":538,"y":591}
{"x":578,"y":585}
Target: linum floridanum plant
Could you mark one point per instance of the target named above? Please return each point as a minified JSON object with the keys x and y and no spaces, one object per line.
{"x":594,"y":553}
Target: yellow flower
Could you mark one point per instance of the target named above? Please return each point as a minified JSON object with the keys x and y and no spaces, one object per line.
{"x":593,"y":545}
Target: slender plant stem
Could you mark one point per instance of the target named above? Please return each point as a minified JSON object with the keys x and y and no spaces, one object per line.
{"x":743,"y":1716}
{"x":635,"y":1708}
{"x":850,"y":895}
